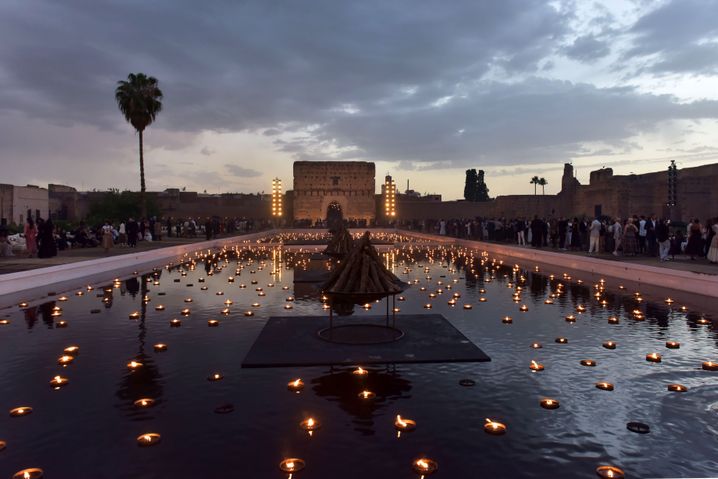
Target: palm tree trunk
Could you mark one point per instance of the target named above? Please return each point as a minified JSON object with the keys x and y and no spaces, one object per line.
{"x":143,"y":204}
{"x":535,"y":184}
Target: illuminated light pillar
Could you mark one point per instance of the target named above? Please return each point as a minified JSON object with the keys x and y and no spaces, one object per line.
{"x":277,"y":198}
{"x":389,"y":197}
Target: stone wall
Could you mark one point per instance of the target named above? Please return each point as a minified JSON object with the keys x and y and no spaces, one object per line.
{"x":317,"y":184}
{"x":15,"y":201}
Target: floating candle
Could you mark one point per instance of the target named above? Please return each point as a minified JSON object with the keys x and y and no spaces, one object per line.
{"x":310,"y":425}
{"x":20,"y":411}
{"x":534,"y":366}
{"x":549,"y":403}
{"x":580,"y":308}
{"x":185,"y":312}
{"x":359,"y":371}
{"x":588,"y":362}
{"x":403,"y":425}
{"x":288,"y":306}
{"x":561,"y":340}
{"x":65,"y":359}
{"x":159,"y":347}
{"x":23,"y":305}
{"x":613,"y":320}
{"x":507,"y":320}
{"x":159,"y":307}
{"x":59,"y":381}
{"x":134,"y":365}
{"x":703,"y":321}
{"x":482,"y":299}
{"x":653,"y":358}
{"x":134,"y":315}
{"x":604,"y":386}
{"x":4,"y":322}
{"x":249,"y":313}
{"x":366,"y":395}
{"x":609,"y":344}
{"x":144,"y":402}
{"x":256,"y":305}
{"x":424,"y":466}
{"x":571,"y":318}
{"x":669,"y":301}
{"x":175,"y":323}
{"x":494,"y":428}
{"x":536,"y":345}
{"x":427,"y":306}
{"x":679,"y":388}
{"x":292,"y":465}
{"x":296,"y":385}
{"x":3,"y":444}
{"x":609,"y":472}
{"x":30,"y":473}
{"x":61,"y":324}
{"x":548,"y":301}
{"x":710,"y":366}
{"x":215,"y":377}
{"x":148,"y":439}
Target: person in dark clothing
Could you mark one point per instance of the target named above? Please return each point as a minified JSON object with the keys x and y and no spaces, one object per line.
{"x":132,"y":230}
{"x":537,"y":232}
{"x":46,"y":239}
{"x":208,"y":229}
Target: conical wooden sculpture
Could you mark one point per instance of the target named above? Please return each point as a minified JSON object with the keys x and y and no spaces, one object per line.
{"x":362,"y":275}
{"x":341,"y":243}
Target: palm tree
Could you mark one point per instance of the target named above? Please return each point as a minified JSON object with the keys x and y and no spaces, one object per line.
{"x":534,"y":181}
{"x":543,"y":183}
{"x":139,"y":99}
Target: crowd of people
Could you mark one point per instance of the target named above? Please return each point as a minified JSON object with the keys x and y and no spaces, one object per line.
{"x":633,"y":236}
{"x":43,"y":239}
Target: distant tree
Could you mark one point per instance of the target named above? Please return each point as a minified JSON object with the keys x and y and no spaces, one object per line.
{"x":534,"y":181}
{"x":542,"y":181}
{"x":139,"y":100}
{"x":482,"y":191}
{"x":470,"y":185}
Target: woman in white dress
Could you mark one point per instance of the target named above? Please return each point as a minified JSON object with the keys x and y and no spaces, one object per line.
{"x":713,"y":250}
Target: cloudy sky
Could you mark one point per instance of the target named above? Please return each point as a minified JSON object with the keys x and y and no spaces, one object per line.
{"x":424,"y":88}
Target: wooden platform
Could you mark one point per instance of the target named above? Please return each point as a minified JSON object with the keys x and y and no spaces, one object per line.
{"x":293,"y":341}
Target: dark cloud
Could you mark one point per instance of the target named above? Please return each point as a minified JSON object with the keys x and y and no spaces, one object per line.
{"x":237,"y":170}
{"x":679,"y":36}
{"x":424,"y":85}
{"x":587,"y":49}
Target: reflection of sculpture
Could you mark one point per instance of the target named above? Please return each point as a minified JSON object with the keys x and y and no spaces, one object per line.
{"x":344,"y":387}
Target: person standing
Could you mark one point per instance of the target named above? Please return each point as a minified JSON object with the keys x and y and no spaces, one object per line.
{"x":695,"y":239}
{"x":107,"y":236}
{"x":122,"y":240}
{"x":630,"y":238}
{"x":594,"y":232}
{"x":132,"y":232}
{"x":617,"y":236}
{"x":30,"y":237}
{"x":663,"y":238}
{"x":713,"y":248}
{"x":642,"y":235}
{"x":46,"y":238}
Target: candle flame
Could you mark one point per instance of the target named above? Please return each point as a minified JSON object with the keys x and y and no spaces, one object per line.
{"x":400,"y":421}
{"x":609,"y":473}
{"x":296,"y":382}
{"x":147,"y":438}
{"x":290,"y":465}
{"x":422,"y":464}
{"x":310,"y":422}
{"x":26,"y":475}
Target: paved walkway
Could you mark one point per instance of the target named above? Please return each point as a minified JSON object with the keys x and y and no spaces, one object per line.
{"x":21,"y":263}
{"x":681,"y":263}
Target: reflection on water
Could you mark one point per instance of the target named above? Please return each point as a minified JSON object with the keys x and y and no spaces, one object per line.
{"x":357,"y":438}
{"x":342,"y":386}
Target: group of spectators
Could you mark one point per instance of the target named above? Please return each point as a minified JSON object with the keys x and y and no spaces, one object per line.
{"x":636,"y":235}
{"x":43,"y":239}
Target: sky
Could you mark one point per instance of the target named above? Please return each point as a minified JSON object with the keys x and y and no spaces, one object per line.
{"x":424,"y":89}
